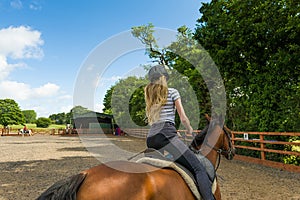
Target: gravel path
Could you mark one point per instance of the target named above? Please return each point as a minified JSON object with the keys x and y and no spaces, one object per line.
{"x":29,"y":165}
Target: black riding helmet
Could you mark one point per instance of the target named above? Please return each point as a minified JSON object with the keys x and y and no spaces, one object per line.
{"x":157,"y":71}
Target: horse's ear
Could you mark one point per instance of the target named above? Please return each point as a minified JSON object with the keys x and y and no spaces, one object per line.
{"x":207,"y":117}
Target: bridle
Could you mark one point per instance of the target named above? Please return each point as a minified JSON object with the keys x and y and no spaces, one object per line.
{"x":220,"y":151}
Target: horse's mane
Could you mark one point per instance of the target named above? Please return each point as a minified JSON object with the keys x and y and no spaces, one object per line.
{"x":200,"y":137}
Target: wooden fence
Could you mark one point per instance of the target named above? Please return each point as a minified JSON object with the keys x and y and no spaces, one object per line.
{"x":16,"y":132}
{"x":259,"y":143}
{"x":256,"y":137}
{"x":239,"y":139}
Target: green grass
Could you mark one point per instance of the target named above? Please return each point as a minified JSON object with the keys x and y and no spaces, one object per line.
{"x":33,"y":126}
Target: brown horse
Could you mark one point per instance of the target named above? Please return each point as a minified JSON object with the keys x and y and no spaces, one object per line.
{"x":131,"y":180}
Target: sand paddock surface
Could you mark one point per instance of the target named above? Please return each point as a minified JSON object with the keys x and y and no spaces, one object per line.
{"x":29,"y":165}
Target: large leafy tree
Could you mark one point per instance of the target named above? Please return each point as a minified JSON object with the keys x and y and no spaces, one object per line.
{"x":125,"y":101}
{"x":10,"y":113}
{"x":43,"y":122}
{"x":189,"y":63}
{"x":30,"y":116}
{"x":59,"y":118}
{"x":256,"y":46}
{"x":79,"y":110}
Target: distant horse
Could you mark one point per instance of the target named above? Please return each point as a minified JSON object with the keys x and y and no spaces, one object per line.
{"x":25,"y":132}
{"x":113,"y":181}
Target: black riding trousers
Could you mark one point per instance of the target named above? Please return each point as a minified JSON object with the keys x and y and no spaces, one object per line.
{"x":163,"y":136}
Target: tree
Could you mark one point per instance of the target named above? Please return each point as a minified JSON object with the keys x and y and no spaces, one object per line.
{"x":43,"y":122}
{"x":59,"y":118}
{"x":10,"y":113}
{"x":126,"y":102}
{"x":79,"y":110}
{"x":256,"y":46}
{"x":74,"y":112}
{"x":193,"y":71}
{"x":107,"y":101}
{"x":30,"y":116}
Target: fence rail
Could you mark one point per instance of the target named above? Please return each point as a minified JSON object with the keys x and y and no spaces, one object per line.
{"x":258,"y":138}
{"x":241,"y":137}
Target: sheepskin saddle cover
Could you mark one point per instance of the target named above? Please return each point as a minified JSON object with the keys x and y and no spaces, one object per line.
{"x":157,"y":159}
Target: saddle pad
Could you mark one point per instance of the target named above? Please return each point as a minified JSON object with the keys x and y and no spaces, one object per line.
{"x":169,"y":164}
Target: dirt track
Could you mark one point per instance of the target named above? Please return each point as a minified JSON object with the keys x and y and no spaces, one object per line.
{"x":29,"y":165}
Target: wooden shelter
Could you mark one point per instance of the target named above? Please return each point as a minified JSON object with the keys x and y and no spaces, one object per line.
{"x":93,"y":122}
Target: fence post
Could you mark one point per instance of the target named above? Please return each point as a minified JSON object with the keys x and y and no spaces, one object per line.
{"x":262,"y":147}
{"x":232,"y":137}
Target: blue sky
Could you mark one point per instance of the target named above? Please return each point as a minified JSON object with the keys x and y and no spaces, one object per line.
{"x":44,"y":43}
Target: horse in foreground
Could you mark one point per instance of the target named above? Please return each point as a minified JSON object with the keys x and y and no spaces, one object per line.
{"x":117,"y":180}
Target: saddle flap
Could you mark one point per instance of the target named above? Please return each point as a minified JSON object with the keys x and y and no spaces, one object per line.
{"x":187,"y":177}
{"x":153,"y":153}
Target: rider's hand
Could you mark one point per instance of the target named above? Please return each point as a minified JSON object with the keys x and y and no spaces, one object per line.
{"x":190,"y":130}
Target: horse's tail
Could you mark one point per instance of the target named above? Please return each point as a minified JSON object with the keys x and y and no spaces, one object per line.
{"x":64,"y":189}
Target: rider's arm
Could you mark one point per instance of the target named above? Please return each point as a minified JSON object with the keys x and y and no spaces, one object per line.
{"x":183,"y":118}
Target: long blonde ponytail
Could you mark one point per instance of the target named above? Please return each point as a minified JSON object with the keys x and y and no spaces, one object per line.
{"x":156,"y":94}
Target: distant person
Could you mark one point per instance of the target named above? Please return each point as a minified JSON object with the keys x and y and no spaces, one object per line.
{"x":118,"y":131}
{"x":68,"y":129}
{"x":7,"y":129}
{"x":25,"y":129}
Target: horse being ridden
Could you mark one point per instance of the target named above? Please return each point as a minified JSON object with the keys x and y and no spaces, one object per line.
{"x":116,"y":180}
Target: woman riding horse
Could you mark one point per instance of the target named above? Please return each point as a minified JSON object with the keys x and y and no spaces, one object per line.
{"x":161,"y":105}
{"x":113,"y":181}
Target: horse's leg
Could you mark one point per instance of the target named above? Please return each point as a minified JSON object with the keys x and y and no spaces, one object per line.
{"x":217,"y":193}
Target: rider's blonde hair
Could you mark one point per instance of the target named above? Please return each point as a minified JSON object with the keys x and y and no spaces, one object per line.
{"x":156,"y":94}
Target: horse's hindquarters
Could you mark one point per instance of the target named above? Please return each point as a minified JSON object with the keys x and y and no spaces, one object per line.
{"x":104,"y":182}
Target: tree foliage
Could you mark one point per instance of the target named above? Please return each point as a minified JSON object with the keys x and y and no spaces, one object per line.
{"x":29,"y":115}
{"x":59,"y":118}
{"x":125,"y":101}
{"x":189,"y":63}
{"x":10,"y":113}
{"x":43,"y":122}
{"x":256,"y":47}
{"x":79,"y":110}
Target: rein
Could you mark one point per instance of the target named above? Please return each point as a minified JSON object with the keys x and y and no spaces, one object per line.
{"x":218,"y":150}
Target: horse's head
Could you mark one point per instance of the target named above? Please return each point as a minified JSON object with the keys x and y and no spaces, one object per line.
{"x":215,"y":136}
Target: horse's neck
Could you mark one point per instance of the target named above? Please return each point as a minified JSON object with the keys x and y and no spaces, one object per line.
{"x":210,"y":154}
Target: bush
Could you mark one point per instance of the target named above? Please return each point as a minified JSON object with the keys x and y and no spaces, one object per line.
{"x":43,"y":122}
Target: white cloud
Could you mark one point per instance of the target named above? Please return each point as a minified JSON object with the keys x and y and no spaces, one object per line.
{"x":21,"y":91}
{"x":16,"y":4}
{"x":16,"y":45}
{"x":20,"y":42}
{"x":46,"y":90}
{"x":14,"y":90}
{"x":35,"y":6}
{"x":6,"y":68}
{"x":67,"y":96}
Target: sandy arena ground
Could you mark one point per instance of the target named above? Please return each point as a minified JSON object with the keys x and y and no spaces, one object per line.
{"x":29,"y":165}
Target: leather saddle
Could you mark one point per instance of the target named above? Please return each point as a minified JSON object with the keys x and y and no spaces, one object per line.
{"x":210,"y":170}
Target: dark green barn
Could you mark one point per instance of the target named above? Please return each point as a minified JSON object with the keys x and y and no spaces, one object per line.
{"x":93,"y":122}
